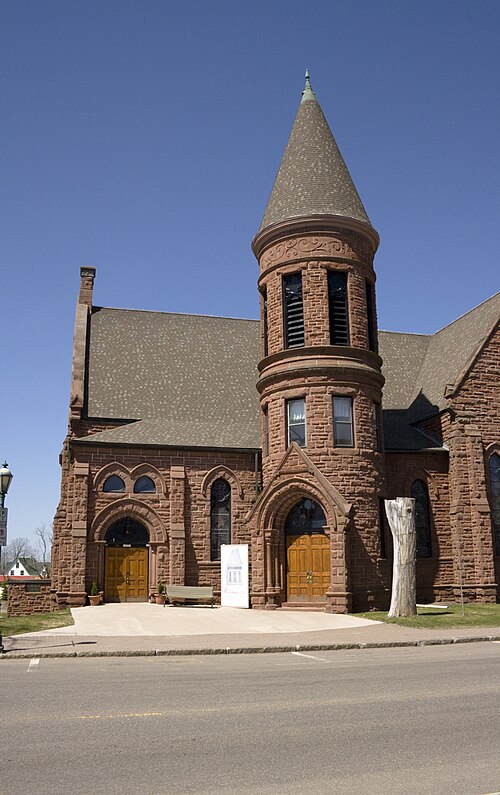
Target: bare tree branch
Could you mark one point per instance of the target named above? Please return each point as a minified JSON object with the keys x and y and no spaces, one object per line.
{"x":44,"y":535}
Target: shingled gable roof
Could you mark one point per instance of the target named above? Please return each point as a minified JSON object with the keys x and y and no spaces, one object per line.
{"x":418,"y":368}
{"x":189,"y":380}
{"x":313,"y":178}
{"x":450,"y":351}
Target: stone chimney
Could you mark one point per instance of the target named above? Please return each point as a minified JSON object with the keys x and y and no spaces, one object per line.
{"x":87,"y":276}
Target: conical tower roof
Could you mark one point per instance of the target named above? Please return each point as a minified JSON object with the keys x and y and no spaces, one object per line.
{"x":313,"y":178}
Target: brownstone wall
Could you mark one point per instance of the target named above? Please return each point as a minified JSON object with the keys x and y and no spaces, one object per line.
{"x":473,"y":435}
{"x":177,"y":516}
{"x":435,"y":575}
{"x":30,"y":596}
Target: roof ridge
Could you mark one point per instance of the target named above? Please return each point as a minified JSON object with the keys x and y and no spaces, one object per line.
{"x":405,"y":333}
{"x":469,"y":311}
{"x":176,"y":314}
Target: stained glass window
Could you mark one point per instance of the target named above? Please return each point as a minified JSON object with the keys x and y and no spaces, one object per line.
{"x":220,"y":517}
{"x":144,"y":485}
{"x":420,"y":494}
{"x":495,"y":499}
{"x":114,"y":483}
{"x":307,"y":516}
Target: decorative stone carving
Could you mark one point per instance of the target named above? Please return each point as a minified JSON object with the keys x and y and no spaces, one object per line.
{"x":347,"y":247}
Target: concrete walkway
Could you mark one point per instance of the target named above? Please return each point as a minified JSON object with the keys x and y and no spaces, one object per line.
{"x":146,"y":629}
{"x":142,"y":619}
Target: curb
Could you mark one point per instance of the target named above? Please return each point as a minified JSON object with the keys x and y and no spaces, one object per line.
{"x":13,"y":655}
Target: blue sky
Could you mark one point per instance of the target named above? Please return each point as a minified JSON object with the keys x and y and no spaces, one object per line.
{"x":143,"y":138}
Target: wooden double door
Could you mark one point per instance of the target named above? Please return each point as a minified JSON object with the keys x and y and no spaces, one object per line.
{"x":126,"y":574}
{"x":308,"y":567}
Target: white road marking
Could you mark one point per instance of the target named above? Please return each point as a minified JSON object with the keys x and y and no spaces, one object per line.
{"x":34,"y":662}
{"x":309,"y":656}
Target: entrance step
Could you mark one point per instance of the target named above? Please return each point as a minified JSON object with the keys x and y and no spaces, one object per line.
{"x":311,"y":607}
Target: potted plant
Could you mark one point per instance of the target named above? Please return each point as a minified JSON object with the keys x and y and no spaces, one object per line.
{"x":160,"y":595}
{"x":94,"y":595}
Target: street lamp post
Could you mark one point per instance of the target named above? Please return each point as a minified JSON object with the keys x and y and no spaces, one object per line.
{"x":5,"y":481}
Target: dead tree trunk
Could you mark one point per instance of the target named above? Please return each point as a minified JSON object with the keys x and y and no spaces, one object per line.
{"x":401,"y":515}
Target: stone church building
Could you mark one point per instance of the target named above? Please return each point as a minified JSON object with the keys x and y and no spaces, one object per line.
{"x":187,"y":432}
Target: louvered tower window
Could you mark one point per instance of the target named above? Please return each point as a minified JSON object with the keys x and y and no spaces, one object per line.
{"x":370,"y":312}
{"x":264,"y":321}
{"x":293,"y":311}
{"x":338,"y":308}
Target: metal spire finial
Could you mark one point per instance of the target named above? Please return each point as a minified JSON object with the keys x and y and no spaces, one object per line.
{"x":308,"y":92}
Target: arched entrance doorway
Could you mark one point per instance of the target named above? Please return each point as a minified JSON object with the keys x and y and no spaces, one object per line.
{"x":307,"y":553}
{"x":126,"y":562}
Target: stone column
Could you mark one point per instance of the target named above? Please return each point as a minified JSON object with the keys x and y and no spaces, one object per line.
{"x":77,"y":594}
{"x":257,"y":594}
{"x":339,"y":596}
{"x":482,"y":539}
{"x":470,"y":517}
{"x":177,"y":535}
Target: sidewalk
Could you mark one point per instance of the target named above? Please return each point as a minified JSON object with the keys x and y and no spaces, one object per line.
{"x":148,"y":630}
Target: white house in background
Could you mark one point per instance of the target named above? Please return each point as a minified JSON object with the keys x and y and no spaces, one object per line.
{"x":26,"y":567}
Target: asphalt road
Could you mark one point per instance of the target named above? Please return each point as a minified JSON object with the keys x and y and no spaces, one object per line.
{"x":391,"y":721}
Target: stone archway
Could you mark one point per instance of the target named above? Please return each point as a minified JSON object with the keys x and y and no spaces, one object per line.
{"x":307,"y":553}
{"x":270,"y":545}
{"x":156,"y":552}
{"x":126,"y":561}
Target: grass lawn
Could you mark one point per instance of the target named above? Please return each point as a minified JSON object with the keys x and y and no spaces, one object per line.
{"x":34,"y":623}
{"x":476,"y":615}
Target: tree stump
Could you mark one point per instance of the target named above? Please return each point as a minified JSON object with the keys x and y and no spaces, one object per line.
{"x":401,"y":515}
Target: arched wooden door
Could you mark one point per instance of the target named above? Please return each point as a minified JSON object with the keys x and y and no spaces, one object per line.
{"x":307,"y":552}
{"x":126,"y":574}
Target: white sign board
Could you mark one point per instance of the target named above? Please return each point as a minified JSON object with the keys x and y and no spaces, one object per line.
{"x":3,"y":527}
{"x":234,"y":575}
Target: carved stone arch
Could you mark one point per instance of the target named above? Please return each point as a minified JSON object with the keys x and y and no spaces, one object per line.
{"x":491,"y":449}
{"x":151,"y":472}
{"x":221,"y":471}
{"x":418,"y":474}
{"x":114,"y":468}
{"x":132,"y":508}
{"x":286,"y":493}
{"x":314,"y":479}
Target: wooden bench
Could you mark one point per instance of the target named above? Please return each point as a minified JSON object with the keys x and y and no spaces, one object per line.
{"x":180,"y":594}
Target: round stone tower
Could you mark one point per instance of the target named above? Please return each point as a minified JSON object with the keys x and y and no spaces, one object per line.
{"x":320,"y":382}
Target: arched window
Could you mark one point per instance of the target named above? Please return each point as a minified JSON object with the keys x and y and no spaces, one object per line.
{"x":220,"y":517}
{"x":420,"y":494}
{"x":495,"y":499}
{"x":144,"y":485}
{"x":307,"y":516}
{"x":114,"y":483}
{"x":127,"y":532}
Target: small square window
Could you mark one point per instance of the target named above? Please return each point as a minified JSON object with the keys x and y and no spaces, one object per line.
{"x":296,"y":422}
{"x":343,"y":432}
